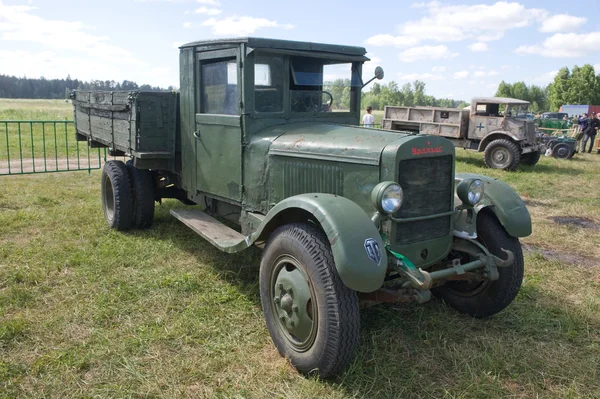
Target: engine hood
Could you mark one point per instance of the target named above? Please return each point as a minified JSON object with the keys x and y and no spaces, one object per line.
{"x":325,"y":141}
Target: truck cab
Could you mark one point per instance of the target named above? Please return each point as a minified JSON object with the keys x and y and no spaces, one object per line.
{"x":232,"y":89}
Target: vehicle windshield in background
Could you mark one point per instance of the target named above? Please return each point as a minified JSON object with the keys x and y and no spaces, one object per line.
{"x":516,"y":110}
{"x":318,"y":86}
{"x":554,"y":115}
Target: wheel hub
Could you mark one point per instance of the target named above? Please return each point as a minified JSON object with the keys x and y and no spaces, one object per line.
{"x":500,"y":156}
{"x":287,"y":302}
{"x":293,"y":304}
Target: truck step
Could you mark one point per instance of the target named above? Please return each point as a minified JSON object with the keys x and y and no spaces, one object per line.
{"x":215,"y":232}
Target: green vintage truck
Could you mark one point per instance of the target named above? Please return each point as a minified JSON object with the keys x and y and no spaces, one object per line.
{"x":347,"y":216}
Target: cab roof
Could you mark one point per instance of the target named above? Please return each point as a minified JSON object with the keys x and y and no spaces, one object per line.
{"x":257,"y":42}
{"x":499,"y":100}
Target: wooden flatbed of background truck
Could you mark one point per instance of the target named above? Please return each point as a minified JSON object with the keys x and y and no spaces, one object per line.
{"x":489,"y":125}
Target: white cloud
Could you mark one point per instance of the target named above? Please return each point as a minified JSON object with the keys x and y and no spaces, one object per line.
{"x":562,"y":23}
{"x":68,"y":47}
{"x":187,"y":25}
{"x":438,"y":69}
{"x":481,"y":22}
{"x":19,"y":24}
{"x":565,"y":45}
{"x":178,"y":44}
{"x":208,"y":11}
{"x":390,"y":40}
{"x":545,"y":78}
{"x":481,"y":73}
{"x":419,"y":76}
{"x":448,"y":23}
{"x":461,"y":74}
{"x":478,"y":47}
{"x":241,"y":26}
{"x":426,"y":53}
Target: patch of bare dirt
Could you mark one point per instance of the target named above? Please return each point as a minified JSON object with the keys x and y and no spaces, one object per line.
{"x":575,"y":221}
{"x":565,"y":257}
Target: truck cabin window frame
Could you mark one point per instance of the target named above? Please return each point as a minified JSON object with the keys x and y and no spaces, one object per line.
{"x":219,"y":87}
{"x":268,"y":83}
{"x":320,"y":85}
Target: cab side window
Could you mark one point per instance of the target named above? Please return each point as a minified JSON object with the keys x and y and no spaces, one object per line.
{"x":220,"y":87}
{"x":268,"y":83}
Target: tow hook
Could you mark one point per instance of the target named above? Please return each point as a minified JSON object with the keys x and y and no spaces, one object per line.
{"x":510,"y":259}
{"x":417,"y":278}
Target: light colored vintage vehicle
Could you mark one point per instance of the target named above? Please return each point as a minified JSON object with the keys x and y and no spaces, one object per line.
{"x":493,"y":125}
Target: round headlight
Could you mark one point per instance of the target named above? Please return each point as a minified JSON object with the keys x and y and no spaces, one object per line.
{"x":470,"y":191}
{"x":475,"y":191}
{"x":387,"y":197}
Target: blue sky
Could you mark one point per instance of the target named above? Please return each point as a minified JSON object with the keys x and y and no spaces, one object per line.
{"x":460,"y":49}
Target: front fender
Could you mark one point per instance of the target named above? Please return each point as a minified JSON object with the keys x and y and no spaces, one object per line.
{"x":348,"y":229}
{"x":501,"y":199}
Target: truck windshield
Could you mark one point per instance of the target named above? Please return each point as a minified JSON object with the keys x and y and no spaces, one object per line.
{"x":318,"y":85}
{"x":516,"y":110}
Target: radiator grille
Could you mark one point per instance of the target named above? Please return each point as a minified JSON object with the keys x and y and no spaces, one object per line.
{"x":301,"y":177}
{"x":427,"y":185}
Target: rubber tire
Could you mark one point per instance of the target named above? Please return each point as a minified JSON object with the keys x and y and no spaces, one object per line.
{"x":531,"y":158}
{"x":142,"y":183}
{"x":513,"y":151}
{"x":115,"y":173}
{"x":338,"y":320}
{"x":498,"y":294}
{"x":563,"y":154}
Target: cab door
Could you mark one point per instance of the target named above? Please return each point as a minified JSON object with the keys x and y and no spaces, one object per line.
{"x":218,"y":125}
{"x":484,"y":119}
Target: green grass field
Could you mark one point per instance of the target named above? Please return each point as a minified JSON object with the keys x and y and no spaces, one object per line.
{"x":90,"y":312}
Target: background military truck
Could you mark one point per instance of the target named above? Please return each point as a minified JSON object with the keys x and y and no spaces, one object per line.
{"x":347,"y":216}
{"x":490,"y":125}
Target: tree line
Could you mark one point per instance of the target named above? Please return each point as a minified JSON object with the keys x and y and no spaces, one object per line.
{"x":408,"y":95}
{"x":580,"y":85}
{"x":15,"y":87}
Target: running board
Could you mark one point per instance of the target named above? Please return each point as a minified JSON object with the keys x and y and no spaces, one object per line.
{"x":215,"y":232}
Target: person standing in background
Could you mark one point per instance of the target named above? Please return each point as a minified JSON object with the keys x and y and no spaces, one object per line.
{"x":590,"y":133}
{"x":368,"y":119}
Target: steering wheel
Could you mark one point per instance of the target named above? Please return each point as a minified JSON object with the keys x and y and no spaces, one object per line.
{"x":330,"y":103}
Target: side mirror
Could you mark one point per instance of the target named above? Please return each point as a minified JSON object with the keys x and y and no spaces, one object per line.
{"x":378,"y":75}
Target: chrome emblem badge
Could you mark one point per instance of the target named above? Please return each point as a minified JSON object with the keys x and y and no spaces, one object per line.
{"x":373,"y":250}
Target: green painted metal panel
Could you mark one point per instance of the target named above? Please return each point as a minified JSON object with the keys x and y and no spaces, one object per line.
{"x":218,"y":149}
{"x":506,"y":204}
{"x":187,"y":114}
{"x":347,"y":227}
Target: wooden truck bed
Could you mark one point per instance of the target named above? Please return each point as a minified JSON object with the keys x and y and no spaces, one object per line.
{"x":141,"y":124}
{"x":446,"y":122}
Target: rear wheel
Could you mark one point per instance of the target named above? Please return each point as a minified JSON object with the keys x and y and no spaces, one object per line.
{"x":117,"y":199}
{"x":313,"y":318}
{"x":502,"y":154}
{"x":486,"y":298}
{"x":531,"y":158}
{"x":142,"y":183}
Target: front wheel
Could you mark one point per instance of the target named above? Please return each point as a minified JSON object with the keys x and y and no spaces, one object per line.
{"x":531,"y":158}
{"x":486,"y":298}
{"x":313,"y":318}
{"x":502,"y":154}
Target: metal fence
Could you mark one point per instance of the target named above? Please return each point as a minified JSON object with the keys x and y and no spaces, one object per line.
{"x":45,"y":146}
